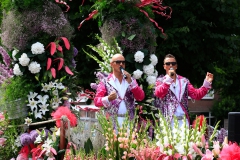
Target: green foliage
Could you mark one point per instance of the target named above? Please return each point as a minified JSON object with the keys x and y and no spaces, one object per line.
{"x":15,"y":88}
{"x":225,"y":105}
{"x":21,"y":4}
{"x":88,"y":146}
{"x":11,"y":132}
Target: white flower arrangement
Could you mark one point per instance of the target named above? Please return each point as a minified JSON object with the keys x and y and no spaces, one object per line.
{"x":14,"y":53}
{"x":151,"y":80}
{"x":16,"y":70}
{"x":46,"y":101}
{"x":24,"y":60}
{"x":175,"y":139}
{"x":153,"y":59}
{"x":34,"y":67}
{"x":139,"y":56}
{"x":37,"y":48}
{"x":148,"y":69}
{"x":137,"y":74}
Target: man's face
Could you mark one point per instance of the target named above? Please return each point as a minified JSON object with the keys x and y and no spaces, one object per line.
{"x":170,"y":63}
{"x":117,"y":62}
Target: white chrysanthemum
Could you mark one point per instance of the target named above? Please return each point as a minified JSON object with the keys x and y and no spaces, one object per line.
{"x":148,"y":69}
{"x":153,"y":59}
{"x":151,"y":80}
{"x":139,"y":56}
{"x":24,"y":60}
{"x":37,"y":48}
{"x":17,"y":71}
{"x":34,"y":67}
{"x":137,"y":74}
{"x":14,"y":52}
{"x":155,"y":73}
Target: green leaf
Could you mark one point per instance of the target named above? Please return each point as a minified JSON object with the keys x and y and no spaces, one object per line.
{"x":139,"y":66}
{"x":131,"y":37}
{"x":123,"y":34}
{"x":88,"y":146}
{"x":129,"y":58}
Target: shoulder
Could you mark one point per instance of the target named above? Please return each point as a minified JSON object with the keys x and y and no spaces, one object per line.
{"x":183,"y":78}
{"x":161,"y":77}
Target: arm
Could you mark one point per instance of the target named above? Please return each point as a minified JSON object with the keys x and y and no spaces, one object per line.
{"x":101,"y":98}
{"x":162,"y":87}
{"x":200,"y":92}
{"x":137,"y":91}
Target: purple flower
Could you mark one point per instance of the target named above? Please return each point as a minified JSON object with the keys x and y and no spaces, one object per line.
{"x":75,"y":51}
{"x":33,"y":135}
{"x":25,"y":139}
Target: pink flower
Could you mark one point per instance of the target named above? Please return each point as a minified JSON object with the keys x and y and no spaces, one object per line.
{"x":208,"y":155}
{"x":22,"y":156}
{"x":2,"y":141}
{"x":1,"y":132}
{"x":64,"y":111}
{"x":2,"y":116}
{"x":230,"y":152}
{"x":216,"y":148}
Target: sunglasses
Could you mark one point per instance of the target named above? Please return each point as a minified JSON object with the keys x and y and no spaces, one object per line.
{"x":119,"y":62}
{"x":169,"y":63}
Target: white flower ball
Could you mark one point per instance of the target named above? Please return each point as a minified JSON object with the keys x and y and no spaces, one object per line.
{"x":24,"y":60}
{"x":17,"y":71}
{"x":139,"y":56}
{"x":148,"y":69}
{"x":37,"y":48}
{"x":34,"y":67}
{"x":14,"y":52}
{"x":153,"y":59}
{"x":155,"y":73}
{"x":137,"y":74}
{"x":151,"y":80}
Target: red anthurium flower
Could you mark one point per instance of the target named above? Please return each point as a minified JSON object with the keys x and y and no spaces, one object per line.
{"x":68,"y":70}
{"x":53,"y":71}
{"x":49,"y":63}
{"x":53,"y":47}
{"x":66,"y":42}
{"x":61,"y":61}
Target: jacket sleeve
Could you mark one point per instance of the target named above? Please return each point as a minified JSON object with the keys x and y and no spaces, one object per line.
{"x":137,"y":91}
{"x":162,"y":87}
{"x":101,"y":97}
{"x":198,"y":93}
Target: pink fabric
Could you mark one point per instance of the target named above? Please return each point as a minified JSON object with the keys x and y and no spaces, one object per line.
{"x":162,"y":89}
{"x":102,"y":92}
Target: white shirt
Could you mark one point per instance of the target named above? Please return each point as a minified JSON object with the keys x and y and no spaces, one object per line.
{"x":176,"y":90}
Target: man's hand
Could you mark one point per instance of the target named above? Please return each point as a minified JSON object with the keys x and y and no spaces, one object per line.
{"x":209,"y":77}
{"x":112,"y":96}
{"x":128,"y":79}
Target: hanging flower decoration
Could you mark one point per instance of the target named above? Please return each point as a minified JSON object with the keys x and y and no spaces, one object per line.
{"x":54,"y":47}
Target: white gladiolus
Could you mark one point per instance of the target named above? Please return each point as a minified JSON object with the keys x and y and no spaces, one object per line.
{"x":14,"y":52}
{"x":17,"y":71}
{"x":37,"y":48}
{"x":137,"y":74}
{"x":153,"y":59}
{"x":24,"y":60}
{"x":148,"y":69}
{"x":138,"y":56}
{"x":151,"y":80}
{"x":34,"y":67}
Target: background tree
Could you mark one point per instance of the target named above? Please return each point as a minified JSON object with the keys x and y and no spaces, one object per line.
{"x":204,"y":36}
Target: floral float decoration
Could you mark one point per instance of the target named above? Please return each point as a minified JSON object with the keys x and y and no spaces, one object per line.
{"x":55,"y":46}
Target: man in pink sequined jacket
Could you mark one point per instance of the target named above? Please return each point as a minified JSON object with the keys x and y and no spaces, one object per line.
{"x":172,"y":91}
{"x":118,"y":94}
